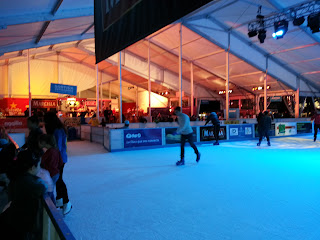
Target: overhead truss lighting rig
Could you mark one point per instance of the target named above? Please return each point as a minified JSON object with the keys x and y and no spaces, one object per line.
{"x":280,"y":21}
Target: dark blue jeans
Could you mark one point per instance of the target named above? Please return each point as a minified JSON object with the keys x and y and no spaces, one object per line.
{"x":189,"y":138}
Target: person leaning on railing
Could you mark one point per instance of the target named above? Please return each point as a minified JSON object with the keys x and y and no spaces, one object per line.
{"x":18,"y":221}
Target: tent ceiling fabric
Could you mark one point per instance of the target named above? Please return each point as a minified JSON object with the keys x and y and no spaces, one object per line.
{"x":204,"y":42}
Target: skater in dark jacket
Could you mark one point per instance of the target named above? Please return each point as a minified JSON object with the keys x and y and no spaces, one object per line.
{"x":264,"y":125}
{"x":316,"y":118}
{"x":213,"y":118}
{"x":186,"y":134}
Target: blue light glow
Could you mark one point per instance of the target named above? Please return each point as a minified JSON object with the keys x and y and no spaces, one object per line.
{"x":278,"y":34}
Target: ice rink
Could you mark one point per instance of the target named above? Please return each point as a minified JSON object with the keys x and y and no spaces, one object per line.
{"x":238,"y":191}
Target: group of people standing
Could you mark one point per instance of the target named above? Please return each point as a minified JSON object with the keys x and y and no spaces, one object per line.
{"x":33,"y":170}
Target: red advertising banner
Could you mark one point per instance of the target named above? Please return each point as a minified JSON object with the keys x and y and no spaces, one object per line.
{"x":44,"y":103}
{"x":14,"y":106}
{"x":14,"y":123}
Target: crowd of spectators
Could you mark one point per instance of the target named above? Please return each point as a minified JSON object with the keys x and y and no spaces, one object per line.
{"x":29,"y":173}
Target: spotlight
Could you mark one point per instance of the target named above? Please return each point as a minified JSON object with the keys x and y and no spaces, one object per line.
{"x":313,"y":22}
{"x":262,"y":35}
{"x":298,"y":21}
{"x":252,"y":33}
{"x":280,"y":29}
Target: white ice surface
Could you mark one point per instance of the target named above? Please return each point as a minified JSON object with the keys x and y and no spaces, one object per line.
{"x":238,"y":191}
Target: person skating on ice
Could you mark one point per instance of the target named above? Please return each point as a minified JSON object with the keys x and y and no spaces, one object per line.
{"x":186,"y":134}
{"x":213,"y":118}
{"x":316,"y":118}
{"x":264,"y":125}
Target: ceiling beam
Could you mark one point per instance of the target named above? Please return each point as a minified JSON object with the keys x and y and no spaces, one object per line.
{"x":42,"y":31}
{"x":56,"y":7}
{"x":45,"y":42}
{"x":45,"y":16}
{"x":295,"y":48}
{"x":87,"y":29}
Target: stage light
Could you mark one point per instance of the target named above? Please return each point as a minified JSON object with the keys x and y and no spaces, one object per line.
{"x":298,"y":21}
{"x":313,"y":22}
{"x":252,"y":33}
{"x":280,"y":29}
{"x":262,"y":35}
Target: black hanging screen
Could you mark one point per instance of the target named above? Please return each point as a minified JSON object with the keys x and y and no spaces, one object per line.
{"x":120,"y":23}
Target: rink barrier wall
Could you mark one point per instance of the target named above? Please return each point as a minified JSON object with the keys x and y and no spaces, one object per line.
{"x":51,"y":220}
{"x":146,"y":136}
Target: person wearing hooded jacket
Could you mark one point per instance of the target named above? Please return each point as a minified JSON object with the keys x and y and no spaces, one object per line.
{"x":264,"y":126}
{"x":213,"y":118}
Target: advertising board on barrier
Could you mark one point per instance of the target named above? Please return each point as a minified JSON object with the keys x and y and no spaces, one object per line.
{"x":207,"y":133}
{"x":14,"y":123}
{"x":304,"y":127}
{"x":243,"y":131}
{"x":171,"y":138}
{"x":286,"y":128}
{"x":142,"y":137}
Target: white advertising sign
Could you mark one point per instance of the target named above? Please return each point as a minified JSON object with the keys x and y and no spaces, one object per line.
{"x":286,"y":128}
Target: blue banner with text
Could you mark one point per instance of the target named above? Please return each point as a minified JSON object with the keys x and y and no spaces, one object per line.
{"x":63,"y":89}
{"x":142,"y":137}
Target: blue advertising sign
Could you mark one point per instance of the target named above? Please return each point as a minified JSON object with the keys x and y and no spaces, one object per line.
{"x":241,"y":131}
{"x":142,"y":137}
{"x":63,"y":89}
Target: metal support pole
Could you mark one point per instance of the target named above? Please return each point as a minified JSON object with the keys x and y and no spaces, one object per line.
{"x":58,"y":72}
{"x":137,"y":101}
{"x":29,"y":83}
{"x":227,"y":78}
{"x":180,"y":66}
{"x":97,"y":93}
{"x":265,"y":87}
{"x":110,"y":90}
{"x":192,"y":97}
{"x":101,"y":92}
{"x":149,"y":82}
{"x":120,"y":85}
{"x":227,"y":85}
{"x":297,"y":100}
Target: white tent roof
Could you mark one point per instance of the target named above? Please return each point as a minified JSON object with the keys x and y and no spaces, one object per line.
{"x":66,"y":27}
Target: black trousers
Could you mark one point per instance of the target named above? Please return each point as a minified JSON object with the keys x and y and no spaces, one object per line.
{"x":189,"y":138}
{"x":263,"y":133}
{"x":216,"y":129}
{"x":316,"y":127}
{"x":62,"y":191}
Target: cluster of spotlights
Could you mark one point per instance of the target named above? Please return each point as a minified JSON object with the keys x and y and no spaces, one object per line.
{"x":259,"y":26}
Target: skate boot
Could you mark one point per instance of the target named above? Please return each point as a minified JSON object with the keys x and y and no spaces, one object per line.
{"x":258,"y":144}
{"x":269,"y":144}
{"x":314,"y":139}
{"x":198,"y":157}
{"x":216,"y":143}
{"x":67,"y":208}
{"x":180,"y":163}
